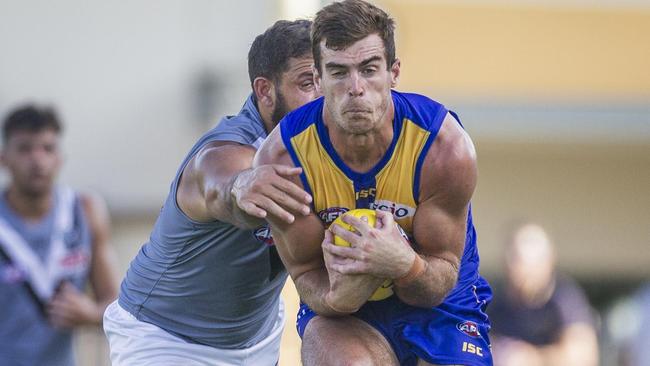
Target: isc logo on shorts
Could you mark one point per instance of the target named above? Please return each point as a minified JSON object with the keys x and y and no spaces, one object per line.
{"x":470,"y":328}
{"x":472,"y":348}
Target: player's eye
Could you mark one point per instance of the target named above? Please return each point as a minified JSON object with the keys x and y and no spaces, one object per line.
{"x":369,"y":70}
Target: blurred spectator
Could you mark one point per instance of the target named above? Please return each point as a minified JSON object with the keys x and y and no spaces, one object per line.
{"x":538,"y":316}
{"x":52,"y":240}
{"x":639,"y":344}
{"x":626,"y":326}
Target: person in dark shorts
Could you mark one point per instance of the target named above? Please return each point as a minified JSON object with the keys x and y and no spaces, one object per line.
{"x":540,"y":317}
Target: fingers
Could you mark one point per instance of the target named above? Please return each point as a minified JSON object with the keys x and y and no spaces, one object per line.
{"x":347,"y":235}
{"x":270,"y":207}
{"x":335,"y":259}
{"x":358,"y":224}
{"x":286,"y":170}
{"x":60,"y":321}
{"x":289,"y":195}
{"x":344,"y":252}
{"x":289,"y":187}
{"x":68,"y":288}
{"x":329,"y":238}
{"x":61,"y":313}
{"x":252,"y":209}
{"x":384,"y":219}
{"x":267,"y":191}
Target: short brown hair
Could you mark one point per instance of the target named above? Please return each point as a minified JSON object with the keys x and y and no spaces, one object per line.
{"x":343,"y":23}
{"x":270,"y":52}
{"x":31,"y":118}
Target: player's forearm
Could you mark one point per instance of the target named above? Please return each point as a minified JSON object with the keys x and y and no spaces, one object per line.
{"x":347,"y":297}
{"x":431,"y":286}
{"x":350,"y":292}
{"x":221,"y":202}
{"x":312,"y":288}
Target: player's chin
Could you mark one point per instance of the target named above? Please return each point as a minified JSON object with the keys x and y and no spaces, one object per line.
{"x":359,"y":124}
{"x":38,"y":187}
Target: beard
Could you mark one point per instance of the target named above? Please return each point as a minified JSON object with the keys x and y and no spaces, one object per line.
{"x":281,"y":108}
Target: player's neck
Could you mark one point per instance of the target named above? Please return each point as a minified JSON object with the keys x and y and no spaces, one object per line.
{"x":29,"y":206}
{"x":266,"y":115}
{"x":361,"y":152}
{"x":268,"y":124}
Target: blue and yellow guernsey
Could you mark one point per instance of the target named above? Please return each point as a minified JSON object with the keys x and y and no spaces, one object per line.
{"x":391,"y":185}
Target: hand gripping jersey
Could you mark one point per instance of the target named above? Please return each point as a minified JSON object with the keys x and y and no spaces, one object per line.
{"x":393,"y":185}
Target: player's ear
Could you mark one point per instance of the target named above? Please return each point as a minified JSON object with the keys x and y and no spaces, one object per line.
{"x":264,"y":91}
{"x":394,"y":72}
{"x":317,"y":79}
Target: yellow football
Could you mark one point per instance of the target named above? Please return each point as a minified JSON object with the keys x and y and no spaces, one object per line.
{"x":386,"y":288}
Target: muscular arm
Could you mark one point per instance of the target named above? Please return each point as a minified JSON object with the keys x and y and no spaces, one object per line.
{"x":299,"y":246}
{"x":219,"y":184}
{"x":439,"y":227}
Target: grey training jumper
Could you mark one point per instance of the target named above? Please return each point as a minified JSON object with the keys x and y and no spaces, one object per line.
{"x":208,"y":283}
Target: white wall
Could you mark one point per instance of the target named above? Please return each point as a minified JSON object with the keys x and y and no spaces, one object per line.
{"x":123,"y":76}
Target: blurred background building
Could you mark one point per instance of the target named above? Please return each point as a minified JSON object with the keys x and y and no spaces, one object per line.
{"x":556,"y":95}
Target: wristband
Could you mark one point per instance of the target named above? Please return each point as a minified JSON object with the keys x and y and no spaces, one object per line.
{"x":418,"y":267}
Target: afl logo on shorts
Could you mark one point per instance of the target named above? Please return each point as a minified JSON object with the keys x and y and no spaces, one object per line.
{"x":330,"y":214}
{"x":470,"y":328}
{"x":263,"y":235}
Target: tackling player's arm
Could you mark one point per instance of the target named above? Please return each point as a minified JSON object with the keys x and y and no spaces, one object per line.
{"x":448,"y":180}
{"x":218,"y":183}
{"x":299,"y":245}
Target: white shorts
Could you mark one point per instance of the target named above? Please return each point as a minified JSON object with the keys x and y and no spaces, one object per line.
{"x":134,"y":342}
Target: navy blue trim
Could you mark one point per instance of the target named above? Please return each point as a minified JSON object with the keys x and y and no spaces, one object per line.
{"x":287,"y":134}
{"x":433,"y":127}
{"x":418,"y":167}
{"x":370,"y":189}
{"x":455,"y":115}
{"x":300,"y":119}
{"x":369,"y":176}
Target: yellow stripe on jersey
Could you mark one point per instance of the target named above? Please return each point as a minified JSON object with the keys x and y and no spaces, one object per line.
{"x":329,"y":186}
{"x":395,"y":180}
